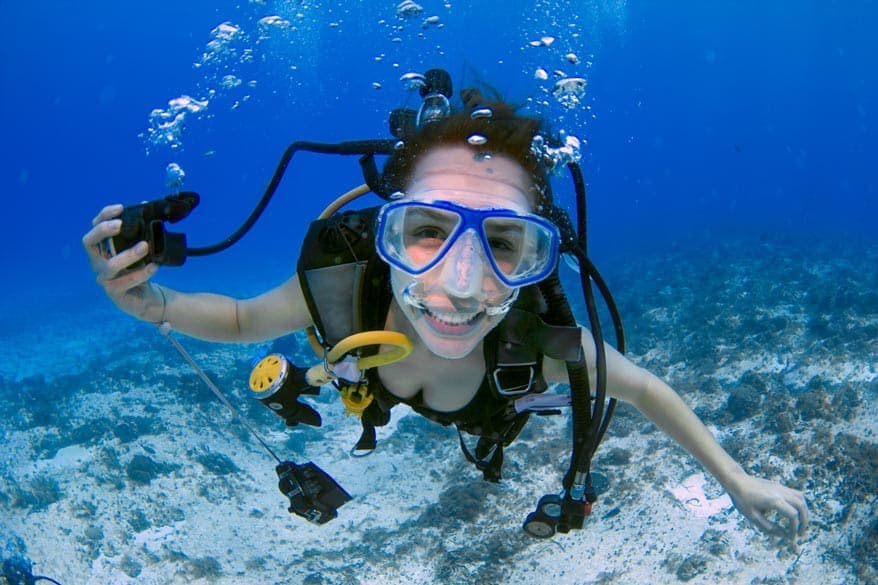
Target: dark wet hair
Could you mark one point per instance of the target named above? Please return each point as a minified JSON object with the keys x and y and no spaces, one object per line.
{"x":505,"y":131}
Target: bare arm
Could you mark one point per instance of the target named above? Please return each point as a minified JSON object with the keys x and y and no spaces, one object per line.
{"x":207,"y":316}
{"x":213,"y":317}
{"x":754,"y":497}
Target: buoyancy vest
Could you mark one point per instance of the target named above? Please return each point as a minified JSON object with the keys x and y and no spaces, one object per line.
{"x":347,"y":289}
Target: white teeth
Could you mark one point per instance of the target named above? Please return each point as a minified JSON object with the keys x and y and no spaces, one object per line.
{"x":454,"y":318}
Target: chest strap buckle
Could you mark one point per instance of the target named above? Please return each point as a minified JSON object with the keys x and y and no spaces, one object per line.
{"x":514,"y":379}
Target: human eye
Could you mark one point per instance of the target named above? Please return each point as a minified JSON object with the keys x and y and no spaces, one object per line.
{"x":504,"y":237}
{"x":504,"y":245}
{"x":428,"y":228}
{"x":429,"y":232}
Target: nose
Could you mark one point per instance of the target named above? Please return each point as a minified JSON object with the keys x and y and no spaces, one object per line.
{"x":463,"y":269}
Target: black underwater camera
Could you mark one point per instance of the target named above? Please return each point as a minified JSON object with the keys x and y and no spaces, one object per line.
{"x":146,"y":222}
{"x":313,"y":494}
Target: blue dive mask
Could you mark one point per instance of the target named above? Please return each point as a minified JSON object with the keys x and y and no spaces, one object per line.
{"x":415,"y":236}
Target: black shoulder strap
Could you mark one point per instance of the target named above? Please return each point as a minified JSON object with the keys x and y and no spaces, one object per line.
{"x":514,"y":350}
{"x":335,"y":258}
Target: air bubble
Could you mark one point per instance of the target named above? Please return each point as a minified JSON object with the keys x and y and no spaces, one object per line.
{"x":570,"y":91}
{"x":413,"y":80}
{"x":397,"y":195}
{"x":482,"y":113}
{"x":408,"y":9}
{"x":477,"y":139}
{"x":175,"y":175}
{"x":273,"y":22}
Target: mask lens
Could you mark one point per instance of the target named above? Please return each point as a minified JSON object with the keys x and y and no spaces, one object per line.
{"x":521,"y":248}
{"x":416,"y":236}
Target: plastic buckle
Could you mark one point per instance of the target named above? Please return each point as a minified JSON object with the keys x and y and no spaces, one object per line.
{"x":517,"y":390}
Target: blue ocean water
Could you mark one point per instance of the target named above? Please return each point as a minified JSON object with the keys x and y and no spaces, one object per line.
{"x":707,"y":127}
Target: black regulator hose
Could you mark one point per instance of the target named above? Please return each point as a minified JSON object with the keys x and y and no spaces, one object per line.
{"x":353,"y":147}
{"x":560,"y":313}
{"x":583,"y":461}
{"x":588,"y":271}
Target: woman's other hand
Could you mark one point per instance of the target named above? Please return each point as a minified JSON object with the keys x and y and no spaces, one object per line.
{"x":775,"y":509}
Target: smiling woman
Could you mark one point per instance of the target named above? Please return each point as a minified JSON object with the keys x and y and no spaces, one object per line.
{"x":463,"y":264}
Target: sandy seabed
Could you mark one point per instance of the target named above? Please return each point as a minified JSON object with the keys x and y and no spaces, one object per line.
{"x":119,"y":466}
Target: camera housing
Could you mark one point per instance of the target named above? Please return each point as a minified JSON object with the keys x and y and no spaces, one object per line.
{"x":146,"y":222}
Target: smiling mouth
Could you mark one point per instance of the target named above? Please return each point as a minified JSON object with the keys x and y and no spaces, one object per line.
{"x":452,"y":323}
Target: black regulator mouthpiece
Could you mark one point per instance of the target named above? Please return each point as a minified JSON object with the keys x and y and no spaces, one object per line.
{"x":146,"y":222}
{"x":313,"y":494}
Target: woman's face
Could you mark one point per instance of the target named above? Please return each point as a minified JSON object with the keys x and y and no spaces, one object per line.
{"x":456,"y":303}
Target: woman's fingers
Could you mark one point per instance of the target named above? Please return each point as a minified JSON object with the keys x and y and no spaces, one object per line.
{"x":798,"y":502}
{"x":100,"y":232}
{"x":791,"y":514}
{"x":118,"y":286}
{"x":762,"y":523}
{"x":126,"y":258}
{"x":108,"y":212}
{"x":91,"y":242}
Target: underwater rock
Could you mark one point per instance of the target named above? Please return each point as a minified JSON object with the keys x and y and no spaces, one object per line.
{"x":778,"y":409}
{"x":138,"y":521}
{"x":691,"y":567}
{"x":217,"y":463}
{"x":205,"y":568}
{"x":744,"y":402}
{"x":141,"y":469}
{"x":814,"y":404}
{"x":756,"y":380}
{"x":616,"y":456}
{"x":130,"y":566}
{"x":716,"y":542}
{"x":133,"y":427}
{"x":91,"y":432}
{"x":844,"y":402}
{"x":43,"y":492}
{"x":16,"y":570}
{"x":866,"y":551}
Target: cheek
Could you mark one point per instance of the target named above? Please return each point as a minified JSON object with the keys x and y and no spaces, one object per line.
{"x":420,"y":255}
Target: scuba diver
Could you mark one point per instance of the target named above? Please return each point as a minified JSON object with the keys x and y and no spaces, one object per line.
{"x":461,"y":260}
